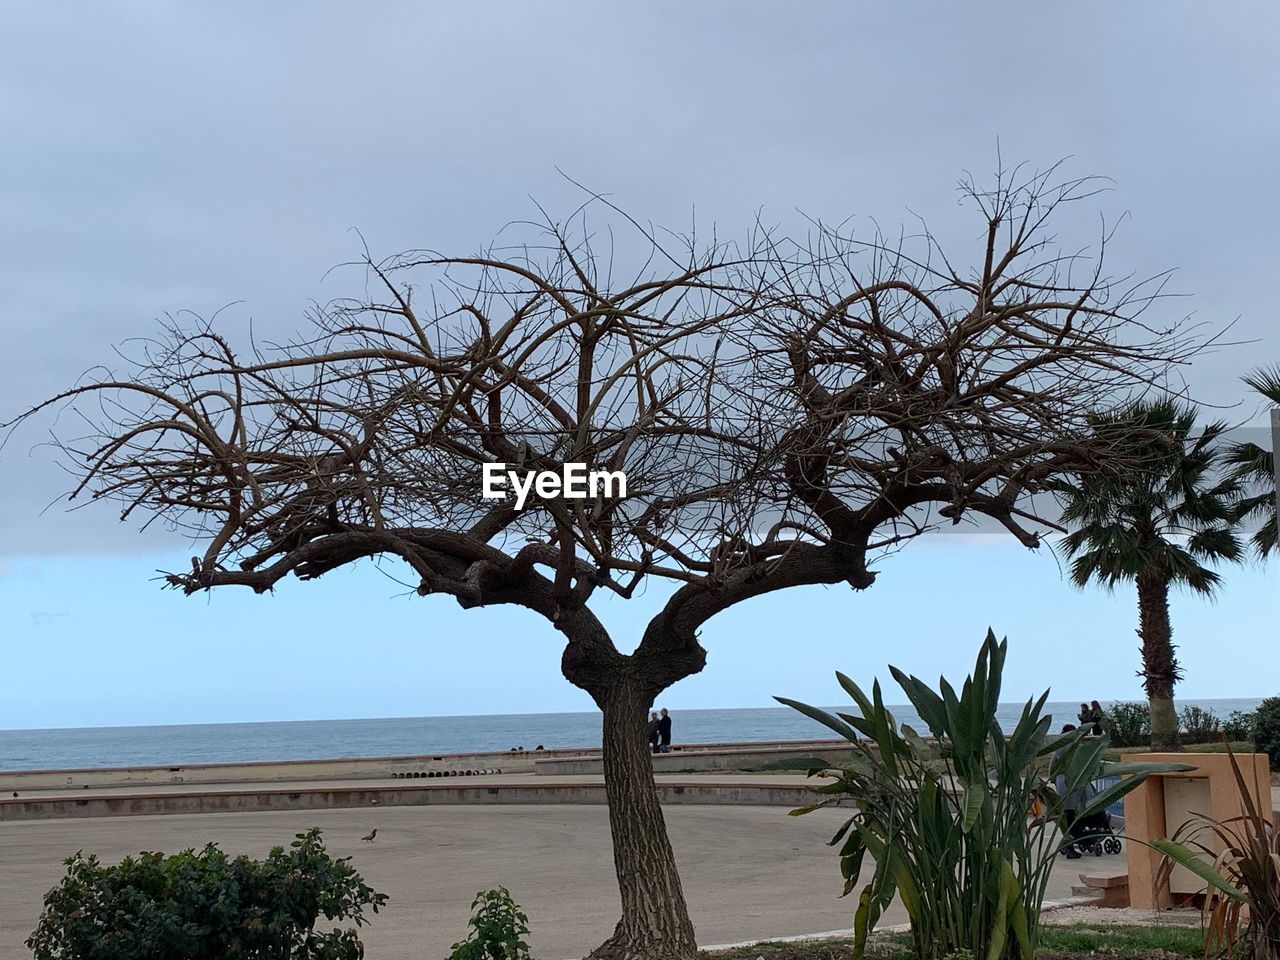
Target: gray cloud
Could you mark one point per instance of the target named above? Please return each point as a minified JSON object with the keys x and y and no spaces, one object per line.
{"x":166,"y":156}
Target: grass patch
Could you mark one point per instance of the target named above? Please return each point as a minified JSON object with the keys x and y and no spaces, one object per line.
{"x":1122,"y":941}
{"x":804,"y":950}
{"x":1237,"y":746}
{"x":1074,"y":940}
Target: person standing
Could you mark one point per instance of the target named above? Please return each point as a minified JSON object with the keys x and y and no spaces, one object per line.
{"x":1073,"y":803}
{"x":664,"y":732}
{"x":653,"y":730}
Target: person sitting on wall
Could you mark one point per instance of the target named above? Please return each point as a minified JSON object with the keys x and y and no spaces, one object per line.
{"x":1095,"y":718}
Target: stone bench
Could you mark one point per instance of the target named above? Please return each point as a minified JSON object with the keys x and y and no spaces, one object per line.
{"x":1112,"y":889}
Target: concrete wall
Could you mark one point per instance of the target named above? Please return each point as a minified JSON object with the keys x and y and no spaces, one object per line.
{"x":283,"y":771}
{"x":1149,"y":814}
{"x":347,"y":768}
{"x":450,"y":792}
{"x":698,"y":760}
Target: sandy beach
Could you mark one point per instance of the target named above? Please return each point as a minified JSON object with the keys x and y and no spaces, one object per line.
{"x":749,"y":872}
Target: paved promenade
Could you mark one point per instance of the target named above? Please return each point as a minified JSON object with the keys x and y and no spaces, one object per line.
{"x":749,"y":872}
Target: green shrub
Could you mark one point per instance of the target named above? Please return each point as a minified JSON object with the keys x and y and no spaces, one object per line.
{"x":1239,"y":725}
{"x":498,"y":929}
{"x":1200,"y":725}
{"x":1129,"y":724}
{"x":951,"y":835}
{"x":206,"y":906}
{"x":1266,"y":730}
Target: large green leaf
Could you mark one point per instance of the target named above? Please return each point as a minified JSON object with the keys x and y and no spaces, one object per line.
{"x":868,"y":728}
{"x":920,"y":748}
{"x":1022,"y":744}
{"x":1124,"y":768}
{"x":1021,"y":925}
{"x":855,"y":692}
{"x":973,"y":721}
{"x":1083,"y":761}
{"x":858,"y":765}
{"x":884,"y":733}
{"x":826,"y":719}
{"x":995,"y":673}
{"x":1193,"y":862}
{"x":851,"y":863}
{"x":1058,"y":741}
{"x":877,"y":894}
{"x":975,"y":794}
{"x":844,"y":828}
{"x":810,"y":807}
{"x":927,"y":703}
{"x":862,"y":923}
{"x":954,"y":730}
{"x":905,"y":882}
{"x":1007,"y":890}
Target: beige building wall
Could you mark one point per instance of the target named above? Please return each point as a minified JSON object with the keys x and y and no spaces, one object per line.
{"x":1166,"y":801}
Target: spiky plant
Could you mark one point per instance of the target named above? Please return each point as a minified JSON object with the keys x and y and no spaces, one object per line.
{"x":1159,"y":522}
{"x":1255,"y":469}
{"x":945,"y":822}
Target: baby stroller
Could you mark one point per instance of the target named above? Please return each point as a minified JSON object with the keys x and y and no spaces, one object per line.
{"x":1095,"y":834}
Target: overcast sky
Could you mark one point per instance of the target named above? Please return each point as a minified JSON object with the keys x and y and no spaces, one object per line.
{"x":161,"y":157}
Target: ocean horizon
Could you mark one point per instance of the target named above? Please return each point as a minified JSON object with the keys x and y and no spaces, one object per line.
{"x":174,"y":744}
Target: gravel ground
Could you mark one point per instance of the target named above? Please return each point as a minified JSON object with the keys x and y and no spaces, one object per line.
{"x":1126,"y":915}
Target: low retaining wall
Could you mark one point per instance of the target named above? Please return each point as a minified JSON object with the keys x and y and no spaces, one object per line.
{"x":453,"y":792}
{"x":279,"y":771}
{"x":694,"y":759}
{"x":348,"y":768}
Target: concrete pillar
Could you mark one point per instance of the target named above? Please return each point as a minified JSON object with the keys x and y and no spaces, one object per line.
{"x":1160,"y":806}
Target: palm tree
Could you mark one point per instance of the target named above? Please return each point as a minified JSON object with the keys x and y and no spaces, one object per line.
{"x":1256,"y":469}
{"x":1157,"y":522}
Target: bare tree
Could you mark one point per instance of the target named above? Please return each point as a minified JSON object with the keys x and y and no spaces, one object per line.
{"x":784,"y":411}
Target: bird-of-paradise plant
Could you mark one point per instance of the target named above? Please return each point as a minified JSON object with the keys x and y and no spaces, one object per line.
{"x":1160,"y":521}
{"x":1242,"y":880}
{"x":1255,"y":468}
{"x":948,"y":824}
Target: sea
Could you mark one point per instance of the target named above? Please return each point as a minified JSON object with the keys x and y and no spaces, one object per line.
{"x":172,"y":745}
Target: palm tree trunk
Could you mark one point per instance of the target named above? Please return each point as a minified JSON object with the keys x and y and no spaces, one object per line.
{"x":1159,"y":663}
{"x":655,"y":921}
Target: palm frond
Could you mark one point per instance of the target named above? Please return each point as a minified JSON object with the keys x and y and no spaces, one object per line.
{"x":1255,"y":472}
{"x":1166,"y":507}
{"x":1265,"y":380}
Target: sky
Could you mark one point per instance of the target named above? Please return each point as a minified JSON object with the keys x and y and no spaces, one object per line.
{"x":175,"y":157}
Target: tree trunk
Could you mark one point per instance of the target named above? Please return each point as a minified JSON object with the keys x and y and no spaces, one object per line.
{"x":655,"y":921}
{"x":1159,"y":664}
